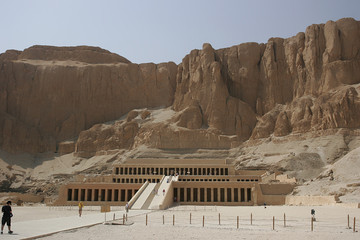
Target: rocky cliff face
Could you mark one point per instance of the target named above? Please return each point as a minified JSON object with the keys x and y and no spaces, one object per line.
{"x":220,"y":97}
{"x":50,"y":94}
{"x":303,"y":83}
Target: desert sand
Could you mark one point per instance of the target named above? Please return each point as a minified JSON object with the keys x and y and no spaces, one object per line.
{"x":331,"y":223}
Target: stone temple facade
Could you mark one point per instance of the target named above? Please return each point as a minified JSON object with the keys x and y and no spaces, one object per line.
{"x":162,"y":183}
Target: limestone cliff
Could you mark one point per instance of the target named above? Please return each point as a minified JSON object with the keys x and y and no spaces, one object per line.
{"x":57,"y":92}
{"x":309,"y":82}
{"x":313,"y":77}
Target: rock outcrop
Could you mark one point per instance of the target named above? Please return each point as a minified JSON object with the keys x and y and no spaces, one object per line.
{"x":59,"y":92}
{"x":298,"y":84}
{"x":309,"y":82}
{"x":104,"y":137}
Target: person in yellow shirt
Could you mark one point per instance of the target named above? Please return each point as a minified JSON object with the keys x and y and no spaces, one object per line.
{"x":81,"y":205}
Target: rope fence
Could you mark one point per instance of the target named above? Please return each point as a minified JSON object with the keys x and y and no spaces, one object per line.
{"x":85,"y":208}
{"x":283,"y":222}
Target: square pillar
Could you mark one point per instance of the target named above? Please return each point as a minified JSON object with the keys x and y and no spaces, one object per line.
{"x":185,"y":194}
{"x":225,"y":193}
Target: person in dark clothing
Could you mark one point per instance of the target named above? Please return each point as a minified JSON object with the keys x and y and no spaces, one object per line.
{"x":7,"y":214}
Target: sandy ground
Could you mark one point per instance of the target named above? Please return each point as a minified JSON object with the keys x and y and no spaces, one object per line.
{"x":331,"y":223}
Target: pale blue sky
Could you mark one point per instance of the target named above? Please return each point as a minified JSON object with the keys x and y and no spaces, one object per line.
{"x":160,"y":30}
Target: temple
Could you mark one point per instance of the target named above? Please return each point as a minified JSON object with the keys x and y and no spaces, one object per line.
{"x":161,"y":183}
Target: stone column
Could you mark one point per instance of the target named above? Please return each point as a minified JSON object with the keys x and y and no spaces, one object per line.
{"x":245,"y":192}
{"x":254,"y":194}
{"x":185,"y":194}
{"x":113,"y":195}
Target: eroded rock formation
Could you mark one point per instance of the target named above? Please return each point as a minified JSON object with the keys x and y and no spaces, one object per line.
{"x":308,"y":82}
{"x":298,"y":84}
{"x":55,"y":93}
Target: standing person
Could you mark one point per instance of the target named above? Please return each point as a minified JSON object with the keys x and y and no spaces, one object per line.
{"x":163,"y":192}
{"x":7,"y":214}
{"x":127,"y":207}
{"x":81,"y":205}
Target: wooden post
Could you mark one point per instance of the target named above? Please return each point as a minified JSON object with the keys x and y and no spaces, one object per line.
{"x":146,"y":219}
{"x":348,"y":221}
{"x":203,"y":220}
{"x":173,"y":219}
{"x":237,"y":222}
{"x":219,"y":218}
{"x":251,"y":218}
{"x":126,"y":216}
{"x":273,"y":223}
{"x":312,"y":224}
{"x":354,"y":225}
{"x":190,"y":218}
{"x":284,"y":220}
{"x":114,"y":216}
{"x":123,"y":219}
{"x":163,"y":220}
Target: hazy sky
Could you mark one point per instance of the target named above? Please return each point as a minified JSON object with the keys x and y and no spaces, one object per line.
{"x":160,"y":30}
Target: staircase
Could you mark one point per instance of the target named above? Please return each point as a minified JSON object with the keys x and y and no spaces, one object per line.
{"x":153,"y":197}
{"x":147,"y":193}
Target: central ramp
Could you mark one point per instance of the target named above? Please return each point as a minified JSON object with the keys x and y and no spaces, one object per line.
{"x":155,"y":194}
{"x":142,"y":199}
{"x":163,"y":192}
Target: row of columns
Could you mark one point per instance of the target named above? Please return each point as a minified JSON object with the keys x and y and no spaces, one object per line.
{"x":94,"y":195}
{"x":135,"y":180}
{"x":213,"y":194}
{"x":170,"y":171}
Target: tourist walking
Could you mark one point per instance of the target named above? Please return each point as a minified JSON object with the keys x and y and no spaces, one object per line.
{"x":6,"y":219}
{"x":127,"y":207}
{"x":81,"y":205}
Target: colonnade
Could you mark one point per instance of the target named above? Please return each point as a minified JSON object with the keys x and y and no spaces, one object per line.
{"x":100,"y":195}
{"x":210,"y":194}
{"x":135,"y":180}
{"x":171,"y":171}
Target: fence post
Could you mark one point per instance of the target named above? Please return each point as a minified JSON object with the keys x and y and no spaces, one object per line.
{"x":163,"y":220}
{"x":354,"y":225}
{"x":219,"y":218}
{"x":312,"y":224}
{"x":251,"y":218}
{"x":237,"y":222}
{"x":284,"y":220}
{"x":190,"y":218}
{"x":123,"y":219}
{"x":203,"y":220}
{"x":173,"y":219}
{"x":273,"y":223}
{"x":146,"y":219}
{"x":348,"y":221}
{"x":126,"y":216}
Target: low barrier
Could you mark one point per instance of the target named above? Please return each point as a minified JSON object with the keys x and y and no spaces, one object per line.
{"x":250,"y":222}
